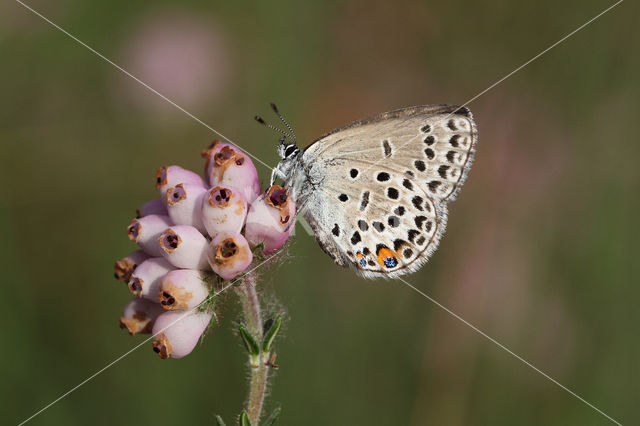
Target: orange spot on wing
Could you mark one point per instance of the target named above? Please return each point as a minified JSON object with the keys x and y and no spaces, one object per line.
{"x":384,"y":254}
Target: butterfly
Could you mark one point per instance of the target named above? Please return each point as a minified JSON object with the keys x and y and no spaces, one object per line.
{"x":375,"y":191}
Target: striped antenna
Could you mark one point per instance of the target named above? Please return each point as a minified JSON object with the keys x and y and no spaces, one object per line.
{"x":264,"y":123}
{"x":275,"y":109}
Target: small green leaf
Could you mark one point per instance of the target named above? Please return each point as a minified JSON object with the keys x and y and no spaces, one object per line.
{"x":272,"y":333}
{"x":219,"y":421}
{"x":244,"y":419}
{"x":249,"y":342}
{"x":271,"y":420}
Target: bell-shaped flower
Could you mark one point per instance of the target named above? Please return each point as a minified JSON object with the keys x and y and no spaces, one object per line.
{"x":145,"y":280}
{"x":176,"y":333}
{"x":224,"y":209}
{"x":145,"y":232}
{"x":182,"y":289}
{"x":170,"y":176}
{"x":229,"y":254}
{"x":139,"y":314}
{"x":271,"y":219}
{"x":184,"y":247}
{"x":125,"y":266}
{"x":228,"y":165}
{"x":184,"y":203}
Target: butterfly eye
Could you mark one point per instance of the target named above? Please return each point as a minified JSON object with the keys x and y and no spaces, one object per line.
{"x":290,"y":150}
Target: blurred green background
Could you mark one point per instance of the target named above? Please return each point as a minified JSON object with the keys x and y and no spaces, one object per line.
{"x":541,"y":250}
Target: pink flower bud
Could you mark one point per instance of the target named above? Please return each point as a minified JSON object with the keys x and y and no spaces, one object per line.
{"x":145,"y":232}
{"x":271,"y":219}
{"x":182,"y":289}
{"x":228,"y":165}
{"x":224,"y":209}
{"x":170,"y":176}
{"x":145,"y":280}
{"x":156,"y":206}
{"x":229,"y":254}
{"x":184,"y":203}
{"x":139,"y":314}
{"x":125,"y":266}
{"x":184,"y":247}
{"x":177,"y":332}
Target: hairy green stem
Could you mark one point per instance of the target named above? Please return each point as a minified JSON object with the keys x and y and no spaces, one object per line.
{"x":259,"y":371}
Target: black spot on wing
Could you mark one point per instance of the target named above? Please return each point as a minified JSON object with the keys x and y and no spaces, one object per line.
{"x":355,"y":238}
{"x":442,"y":171}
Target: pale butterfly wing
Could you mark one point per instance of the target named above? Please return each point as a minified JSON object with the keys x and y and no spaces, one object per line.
{"x":379,"y":186}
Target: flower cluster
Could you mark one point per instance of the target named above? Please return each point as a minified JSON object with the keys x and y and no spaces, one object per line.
{"x":197,"y":230}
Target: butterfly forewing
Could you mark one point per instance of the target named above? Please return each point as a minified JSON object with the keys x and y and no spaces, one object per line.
{"x":380,"y":186}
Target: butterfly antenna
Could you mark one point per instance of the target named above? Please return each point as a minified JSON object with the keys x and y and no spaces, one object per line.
{"x":264,"y":123}
{"x":275,"y":109}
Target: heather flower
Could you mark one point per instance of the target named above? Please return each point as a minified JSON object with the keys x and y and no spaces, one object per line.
{"x":138,"y":316}
{"x":176,"y":333}
{"x":184,"y":203}
{"x":229,"y":254}
{"x":182,"y":289}
{"x":271,"y":219}
{"x":145,"y":232}
{"x":224,"y":209}
{"x":227,"y":165}
{"x":145,"y":280}
{"x":184,"y":247}
{"x":198,"y":240}
{"x":125,"y":266}
{"x":170,"y":176}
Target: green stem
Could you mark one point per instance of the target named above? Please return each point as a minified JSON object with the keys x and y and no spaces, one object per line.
{"x":258,"y":370}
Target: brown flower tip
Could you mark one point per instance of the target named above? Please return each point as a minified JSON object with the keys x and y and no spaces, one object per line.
{"x":123,"y":269}
{"x":169,"y":241}
{"x":161,"y":346}
{"x":277,"y":197}
{"x":223,"y":156}
{"x":206,"y":153}
{"x":220,"y":197}
{"x":133,"y":230}
{"x":135,"y":285}
{"x":173,"y":297}
{"x":140,"y":322}
{"x":176,"y":194}
{"x":167,"y":300}
{"x":161,"y":177}
{"x":226,"y":249}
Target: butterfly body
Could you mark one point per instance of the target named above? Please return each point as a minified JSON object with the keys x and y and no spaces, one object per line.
{"x":375,"y":191}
